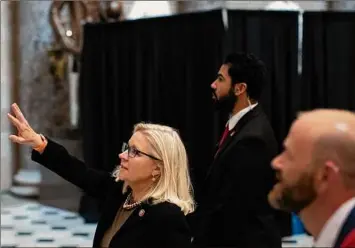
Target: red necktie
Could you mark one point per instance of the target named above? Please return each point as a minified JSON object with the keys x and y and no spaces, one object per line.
{"x":224,"y":136}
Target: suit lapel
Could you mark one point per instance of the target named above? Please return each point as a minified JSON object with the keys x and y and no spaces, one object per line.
{"x":237,"y":128}
{"x":232,"y":135}
{"x":109,"y":213}
{"x":137,"y":215}
{"x":225,"y":144}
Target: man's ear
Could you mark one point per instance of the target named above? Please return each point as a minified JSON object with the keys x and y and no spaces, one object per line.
{"x":240,"y":88}
{"x":325,"y":174}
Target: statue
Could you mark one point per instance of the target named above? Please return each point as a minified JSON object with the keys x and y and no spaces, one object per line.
{"x":81,"y":12}
{"x":113,"y":11}
{"x":65,"y":53}
{"x":70,"y":38}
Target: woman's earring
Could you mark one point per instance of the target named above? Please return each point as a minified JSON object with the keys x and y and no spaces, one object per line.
{"x":154,"y":175}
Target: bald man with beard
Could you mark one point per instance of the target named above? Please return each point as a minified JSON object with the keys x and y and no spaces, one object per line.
{"x":316,"y":176}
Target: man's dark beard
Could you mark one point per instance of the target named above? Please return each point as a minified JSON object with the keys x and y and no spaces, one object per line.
{"x":225,"y":103}
{"x":296,"y":198}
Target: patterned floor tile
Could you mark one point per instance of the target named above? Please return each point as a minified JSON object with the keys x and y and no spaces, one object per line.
{"x":36,"y":225}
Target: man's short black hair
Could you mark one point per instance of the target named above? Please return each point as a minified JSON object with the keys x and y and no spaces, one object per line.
{"x":247,"y":68}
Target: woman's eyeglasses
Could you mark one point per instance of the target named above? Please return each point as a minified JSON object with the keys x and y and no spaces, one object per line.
{"x":132,"y":152}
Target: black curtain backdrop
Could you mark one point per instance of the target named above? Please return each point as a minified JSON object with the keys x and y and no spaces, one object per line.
{"x":273,"y":37}
{"x":328,"y":78}
{"x":153,"y":70}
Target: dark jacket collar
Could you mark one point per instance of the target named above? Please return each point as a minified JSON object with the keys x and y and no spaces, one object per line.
{"x":238,"y":127}
{"x":136,"y":216}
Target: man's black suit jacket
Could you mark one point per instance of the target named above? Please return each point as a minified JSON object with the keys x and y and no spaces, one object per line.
{"x":232,"y":207}
{"x":161,"y":225}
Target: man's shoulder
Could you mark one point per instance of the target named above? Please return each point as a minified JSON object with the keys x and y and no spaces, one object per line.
{"x":260,"y":119}
{"x":257,"y":132}
{"x":258,"y":127}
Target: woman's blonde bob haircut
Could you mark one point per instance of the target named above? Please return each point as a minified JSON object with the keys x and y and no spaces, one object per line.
{"x":174,"y":184}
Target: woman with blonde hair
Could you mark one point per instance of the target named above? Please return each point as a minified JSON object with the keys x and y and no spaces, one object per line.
{"x":147,"y":196}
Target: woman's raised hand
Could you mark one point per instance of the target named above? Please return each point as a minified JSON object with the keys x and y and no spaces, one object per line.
{"x":26,"y":135}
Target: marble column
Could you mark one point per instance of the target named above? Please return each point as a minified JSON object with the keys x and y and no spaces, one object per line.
{"x":35,"y":81}
{"x":46,"y":105}
{"x":6,"y":98}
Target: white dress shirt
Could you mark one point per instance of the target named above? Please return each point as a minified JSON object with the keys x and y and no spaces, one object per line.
{"x":235,"y":118}
{"x":331,"y":229}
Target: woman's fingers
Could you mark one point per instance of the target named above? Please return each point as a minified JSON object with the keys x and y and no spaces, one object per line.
{"x":18,"y":139}
{"x":15,"y":121}
{"x":28,"y":134}
{"x":25,"y":133}
{"x":15,"y":108}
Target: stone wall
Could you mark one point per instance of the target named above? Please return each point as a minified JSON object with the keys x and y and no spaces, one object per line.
{"x":195,"y":6}
{"x":344,"y":5}
{"x":305,"y":5}
{"x":45,"y":104}
{"x":128,"y":6}
{"x":6,"y":98}
{"x":192,"y":6}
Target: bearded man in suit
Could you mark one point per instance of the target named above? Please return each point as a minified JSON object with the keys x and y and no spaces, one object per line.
{"x":233,"y":210}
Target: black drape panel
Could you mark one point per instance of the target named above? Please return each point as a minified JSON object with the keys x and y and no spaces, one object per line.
{"x":328,"y":78}
{"x":154,"y":70}
{"x":273,"y":37}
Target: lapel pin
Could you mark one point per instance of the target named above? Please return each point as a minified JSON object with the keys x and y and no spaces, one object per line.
{"x":232,"y":133}
{"x":141,"y":213}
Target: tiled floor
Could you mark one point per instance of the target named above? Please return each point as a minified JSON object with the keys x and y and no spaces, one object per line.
{"x":34,"y":225}
{"x":31,"y":224}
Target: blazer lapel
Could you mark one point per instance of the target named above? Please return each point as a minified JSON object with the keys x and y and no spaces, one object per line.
{"x":109,"y":214}
{"x":133,"y":220}
{"x":237,"y":128}
{"x":226,"y":142}
{"x":137,"y":216}
{"x":232,"y":135}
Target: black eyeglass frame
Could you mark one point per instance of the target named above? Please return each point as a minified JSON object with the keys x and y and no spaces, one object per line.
{"x":132,"y":152}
